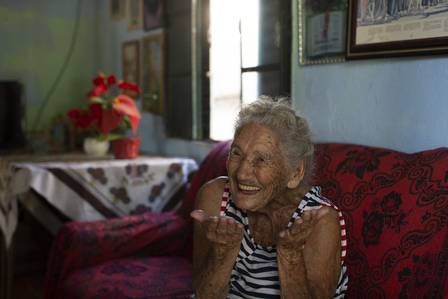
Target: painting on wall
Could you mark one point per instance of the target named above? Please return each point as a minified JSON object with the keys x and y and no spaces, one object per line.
{"x":135,"y":15}
{"x":380,"y":28}
{"x":130,"y":59}
{"x":117,"y":9}
{"x":153,"y":73}
{"x":322,"y":31}
{"x":152,"y":14}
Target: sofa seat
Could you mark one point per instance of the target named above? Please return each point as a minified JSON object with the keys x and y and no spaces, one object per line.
{"x":133,"y":277}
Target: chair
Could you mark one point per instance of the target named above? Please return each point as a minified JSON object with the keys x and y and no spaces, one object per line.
{"x":139,"y":256}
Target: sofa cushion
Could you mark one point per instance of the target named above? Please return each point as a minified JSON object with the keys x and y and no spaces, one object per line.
{"x":395,"y":206}
{"x":131,"y":278}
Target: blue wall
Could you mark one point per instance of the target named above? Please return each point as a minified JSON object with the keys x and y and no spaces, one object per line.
{"x":399,"y":103}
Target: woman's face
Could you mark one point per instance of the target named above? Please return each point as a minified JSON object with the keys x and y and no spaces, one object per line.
{"x":256,"y":168}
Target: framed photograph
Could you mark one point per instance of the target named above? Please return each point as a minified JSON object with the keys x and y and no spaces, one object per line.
{"x":135,"y":15}
{"x":153,"y":85}
{"x":322,"y":31}
{"x":61,"y":135}
{"x":152,"y":14}
{"x":117,"y":9}
{"x":130,"y":61}
{"x":380,"y":28}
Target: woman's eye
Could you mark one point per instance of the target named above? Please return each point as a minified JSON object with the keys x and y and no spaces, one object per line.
{"x":235,"y":152}
{"x":260,"y":160}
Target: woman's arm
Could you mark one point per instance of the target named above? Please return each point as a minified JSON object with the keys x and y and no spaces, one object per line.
{"x":216,"y":243}
{"x":310,"y":269}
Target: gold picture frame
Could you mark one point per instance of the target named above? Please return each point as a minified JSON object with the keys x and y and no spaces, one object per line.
{"x":130,"y":61}
{"x":153,"y":85}
{"x":135,"y":15}
{"x":117,"y":9}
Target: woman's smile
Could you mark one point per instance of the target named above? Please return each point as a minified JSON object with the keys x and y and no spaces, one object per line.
{"x":244,"y":188}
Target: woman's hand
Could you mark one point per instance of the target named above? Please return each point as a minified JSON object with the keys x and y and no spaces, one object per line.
{"x":223,"y":232}
{"x":291,"y":241}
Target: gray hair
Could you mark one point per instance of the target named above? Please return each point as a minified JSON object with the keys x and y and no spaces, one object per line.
{"x":292,"y":129}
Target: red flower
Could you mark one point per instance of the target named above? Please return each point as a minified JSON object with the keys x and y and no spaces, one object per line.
{"x":98,"y":91}
{"x":111,"y":80}
{"x":96,"y":111}
{"x":128,"y":86}
{"x":99,"y":80}
{"x":82,"y":119}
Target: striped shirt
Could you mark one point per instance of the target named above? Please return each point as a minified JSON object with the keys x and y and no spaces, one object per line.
{"x":255,"y":273}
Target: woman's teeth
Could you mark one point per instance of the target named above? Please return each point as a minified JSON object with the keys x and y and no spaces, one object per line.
{"x":247,"y":187}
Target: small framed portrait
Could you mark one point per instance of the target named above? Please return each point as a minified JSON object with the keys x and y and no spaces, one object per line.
{"x":117,"y":9}
{"x":135,"y":15}
{"x":153,"y":86}
{"x":153,"y":11}
{"x":130,"y":61}
{"x":322,"y":31}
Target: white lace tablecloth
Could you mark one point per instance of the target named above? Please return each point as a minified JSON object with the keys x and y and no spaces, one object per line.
{"x":94,"y":190}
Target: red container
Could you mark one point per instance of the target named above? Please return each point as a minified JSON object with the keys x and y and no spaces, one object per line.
{"x":126,"y":148}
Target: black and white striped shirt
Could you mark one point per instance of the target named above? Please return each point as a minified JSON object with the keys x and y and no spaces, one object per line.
{"x":255,"y":273}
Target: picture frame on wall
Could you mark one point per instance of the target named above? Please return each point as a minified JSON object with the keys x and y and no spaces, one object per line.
{"x":153,"y":85}
{"x":396,"y":28}
{"x":117,"y":9}
{"x":322,"y":31}
{"x":135,"y":15}
{"x":153,"y":11}
{"x":130,"y":61}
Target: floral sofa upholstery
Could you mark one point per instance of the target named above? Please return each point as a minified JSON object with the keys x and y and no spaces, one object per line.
{"x":396,"y":210}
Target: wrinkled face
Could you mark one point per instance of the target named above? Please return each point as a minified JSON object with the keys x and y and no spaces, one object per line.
{"x":256,"y":168}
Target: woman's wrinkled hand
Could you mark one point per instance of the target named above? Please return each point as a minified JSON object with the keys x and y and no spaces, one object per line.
{"x":292,"y":241}
{"x":222,"y":231}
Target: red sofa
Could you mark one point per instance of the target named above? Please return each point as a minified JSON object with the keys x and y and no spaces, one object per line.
{"x":396,"y":209}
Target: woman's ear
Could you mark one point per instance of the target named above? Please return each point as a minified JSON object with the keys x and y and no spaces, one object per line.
{"x":297,"y":176}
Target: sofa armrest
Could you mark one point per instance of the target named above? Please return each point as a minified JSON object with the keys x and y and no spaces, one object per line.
{"x":81,"y":244}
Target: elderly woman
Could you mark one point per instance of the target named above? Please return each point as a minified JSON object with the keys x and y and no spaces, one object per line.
{"x":263,"y":232}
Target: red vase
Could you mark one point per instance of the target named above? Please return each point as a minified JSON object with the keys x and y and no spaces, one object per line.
{"x":126,"y":148}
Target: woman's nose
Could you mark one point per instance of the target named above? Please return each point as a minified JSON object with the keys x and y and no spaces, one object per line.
{"x":245,"y":169}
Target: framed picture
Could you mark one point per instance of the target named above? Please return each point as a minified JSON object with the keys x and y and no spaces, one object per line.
{"x":130,"y":61}
{"x":135,"y":14}
{"x":117,"y":9}
{"x":152,"y":14}
{"x":380,"y":28}
{"x":153,"y":86}
{"x":61,"y":135}
{"x":322,"y":31}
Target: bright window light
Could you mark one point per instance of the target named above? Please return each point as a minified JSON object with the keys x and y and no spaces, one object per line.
{"x":225,"y":60}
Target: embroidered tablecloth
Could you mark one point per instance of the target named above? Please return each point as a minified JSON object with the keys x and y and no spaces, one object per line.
{"x":93,"y":190}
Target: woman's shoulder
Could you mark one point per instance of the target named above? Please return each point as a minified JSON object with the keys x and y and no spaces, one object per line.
{"x":210,"y":196}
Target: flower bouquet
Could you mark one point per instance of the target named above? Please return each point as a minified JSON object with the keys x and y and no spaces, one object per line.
{"x":111,"y":114}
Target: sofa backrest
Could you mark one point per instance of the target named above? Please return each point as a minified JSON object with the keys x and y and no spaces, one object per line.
{"x":396,"y":210}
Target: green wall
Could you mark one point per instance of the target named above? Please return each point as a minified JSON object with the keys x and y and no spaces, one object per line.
{"x":36,"y":37}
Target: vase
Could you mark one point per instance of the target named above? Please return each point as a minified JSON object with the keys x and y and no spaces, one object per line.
{"x":126,"y":148}
{"x":94,"y":147}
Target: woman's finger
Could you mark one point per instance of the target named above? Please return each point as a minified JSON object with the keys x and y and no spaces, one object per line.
{"x":199,"y":215}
